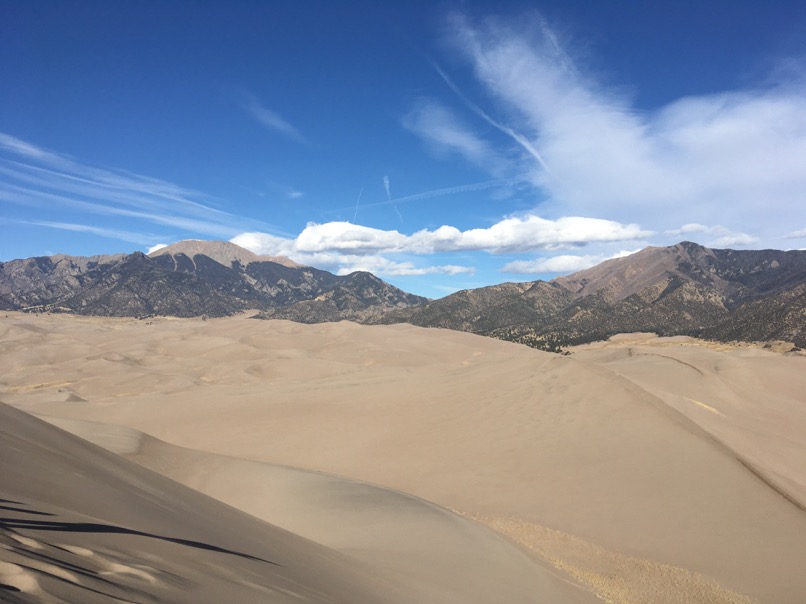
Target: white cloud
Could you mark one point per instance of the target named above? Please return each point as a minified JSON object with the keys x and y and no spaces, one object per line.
{"x":156,"y":247}
{"x":796,"y":234}
{"x":345,"y":247}
{"x":692,"y":227}
{"x":559,"y":264}
{"x":530,"y":232}
{"x":264,"y":244}
{"x":724,"y":237}
{"x":721,"y":157}
{"x":348,"y":237}
{"x":339,"y":258}
{"x":512,"y":234}
{"x":380,"y":265}
{"x":733,"y":240}
{"x":555,"y":264}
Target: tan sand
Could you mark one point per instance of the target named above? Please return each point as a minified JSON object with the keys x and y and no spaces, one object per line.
{"x":82,"y":525}
{"x":750,"y":399}
{"x":583,"y":460}
{"x":448,"y":557}
{"x":396,"y":548}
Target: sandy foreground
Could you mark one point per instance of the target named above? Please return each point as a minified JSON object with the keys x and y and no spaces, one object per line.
{"x":348,"y":463}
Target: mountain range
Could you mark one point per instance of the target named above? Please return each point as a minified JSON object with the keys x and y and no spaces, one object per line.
{"x":187,"y":279}
{"x":684,"y":289}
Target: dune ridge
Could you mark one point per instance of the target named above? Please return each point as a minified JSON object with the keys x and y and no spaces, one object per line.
{"x":767,"y":441}
{"x":604,"y":448}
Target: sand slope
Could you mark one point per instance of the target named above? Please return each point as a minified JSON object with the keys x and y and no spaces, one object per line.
{"x":590,"y":466}
{"x":750,"y":399}
{"x":82,"y":525}
{"x":449,"y":558}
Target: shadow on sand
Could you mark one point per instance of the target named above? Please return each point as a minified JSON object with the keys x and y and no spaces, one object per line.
{"x":93,"y":527}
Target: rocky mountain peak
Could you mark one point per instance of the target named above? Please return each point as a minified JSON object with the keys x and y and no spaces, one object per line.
{"x":725,"y":271}
{"x":223,"y":252}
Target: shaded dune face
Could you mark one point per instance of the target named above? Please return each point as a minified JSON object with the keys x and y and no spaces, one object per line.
{"x":644,"y":471}
{"x":82,"y":524}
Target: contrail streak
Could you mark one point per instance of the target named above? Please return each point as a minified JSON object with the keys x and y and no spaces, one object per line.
{"x":516,"y":136}
{"x":360,"y":193}
{"x":476,"y":186}
{"x":389,"y":197}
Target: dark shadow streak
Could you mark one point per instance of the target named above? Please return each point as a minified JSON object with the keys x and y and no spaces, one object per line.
{"x":92,"y":527}
{"x":11,"y":508}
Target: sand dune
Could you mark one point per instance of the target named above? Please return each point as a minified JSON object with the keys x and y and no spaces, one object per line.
{"x":599,"y":464}
{"x":751,"y":400}
{"x":448,"y":557}
{"x":82,"y":525}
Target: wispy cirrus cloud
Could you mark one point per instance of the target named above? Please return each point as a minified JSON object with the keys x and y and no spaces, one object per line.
{"x":121,"y":235}
{"x":215,"y":225}
{"x":270,"y":119}
{"x":48,"y":170}
{"x":588,"y":150}
{"x":445,"y":133}
{"x":56,"y":183}
{"x":516,"y":136}
{"x":285,"y":190}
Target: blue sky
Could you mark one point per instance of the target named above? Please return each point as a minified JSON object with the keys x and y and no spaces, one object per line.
{"x":441,"y":146}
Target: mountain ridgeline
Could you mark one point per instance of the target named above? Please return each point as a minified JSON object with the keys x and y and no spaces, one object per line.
{"x":685,"y":289}
{"x":187,"y":279}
